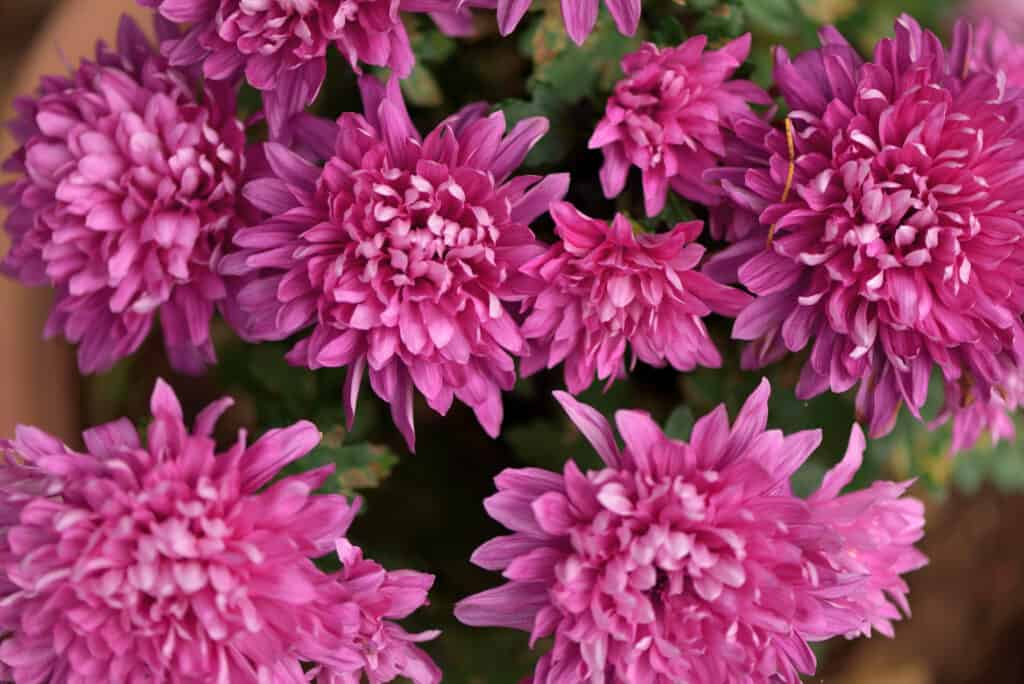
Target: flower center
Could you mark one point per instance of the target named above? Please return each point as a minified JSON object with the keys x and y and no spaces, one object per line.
{"x":423,"y":234}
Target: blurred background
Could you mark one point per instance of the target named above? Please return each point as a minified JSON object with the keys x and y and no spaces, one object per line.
{"x":968,"y":623}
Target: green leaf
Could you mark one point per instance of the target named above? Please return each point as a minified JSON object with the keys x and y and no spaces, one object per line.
{"x":432,"y":46}
{"x":680,"y":423}
{"x":570,"y":73}
{"x":358,"y":466}
{"x":780,"y":17}
{"x":421,"y":88}
{"x":668,"y":32}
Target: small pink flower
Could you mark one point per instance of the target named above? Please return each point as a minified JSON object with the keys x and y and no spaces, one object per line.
{"x":882,"y":228}
{"x":694,"y":562}
{"x":606,"y":288}
{"x":281,"y":45}
{"x":668,"y":115}
{"x":402,"y":254}
{"x":168,"y":562}
{"x":127,"y":198}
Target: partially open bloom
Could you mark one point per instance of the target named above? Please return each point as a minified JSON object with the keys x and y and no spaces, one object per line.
{"x":885,"y":227}
{"x":580,"y":16}
{"x":168,"y":562}
{"x":606,"y":288}
{"x":129,"y":192}
{"x":667,"y":117}
{"x":281,"y":45}
{"x":402,"y":254}
{"x":693,"y":562}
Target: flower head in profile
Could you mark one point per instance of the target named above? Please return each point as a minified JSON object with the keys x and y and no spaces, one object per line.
{"x":401,"y":255}
{"x":127,"y":196}
{"x":606,"y":288}
{"x":885,"y":227}
{"x":668,"y":116}
{"x":693,"y":562}
{"x":167,"y":561}
{"x":281,"y":45}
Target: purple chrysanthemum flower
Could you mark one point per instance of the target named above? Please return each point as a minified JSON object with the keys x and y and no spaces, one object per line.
{"x":606,"y":288}
{"x":281,"y":45}
{"x":127,"y":198}
{"x":169,"y":562}
{"x":694,"y":562}
{"x":667,"y":117}
{"x":402,"y":253}
{"x":579,"y":16}
{"x":885,"y":226}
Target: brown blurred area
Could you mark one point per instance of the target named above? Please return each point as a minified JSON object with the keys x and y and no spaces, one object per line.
{"x":968,"y":624}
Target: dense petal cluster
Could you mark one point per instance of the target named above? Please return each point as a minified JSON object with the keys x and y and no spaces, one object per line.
{"x":606,"y":288}
{"x":668,"y":115}
{"x":168,"y":562}
{"x":693,"y":562}
{"x":128,"y":195}
{"x":885,"y":227}
{"x":281,"y":45}
{"x":402,"y":254}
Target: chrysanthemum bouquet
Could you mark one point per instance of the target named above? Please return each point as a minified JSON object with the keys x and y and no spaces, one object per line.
{"x":516,"y":221}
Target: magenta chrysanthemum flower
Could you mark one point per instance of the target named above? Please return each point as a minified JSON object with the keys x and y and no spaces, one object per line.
{"x":128,"y":197}
{"x":667,"y":116}
{"x":693,"y":562}
{"x":281,"y":45}
{"x":402,"y":253}
{"x":606,"y":287}
{"x":886,"y":226}
{"x":579,"y":16}
{"x":171,"y":563}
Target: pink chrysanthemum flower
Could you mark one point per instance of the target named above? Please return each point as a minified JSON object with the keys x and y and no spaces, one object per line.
{"x":128,"y":197}
{"x":168,"y":562}
{"x":281,"y":45}
{"x":693,"y":562}
{"x":579,"y":16}
{"x":606,"y":288}
{"x":667,"y":117}
{"x":402,"y":254}
{"x":885,"y":228}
